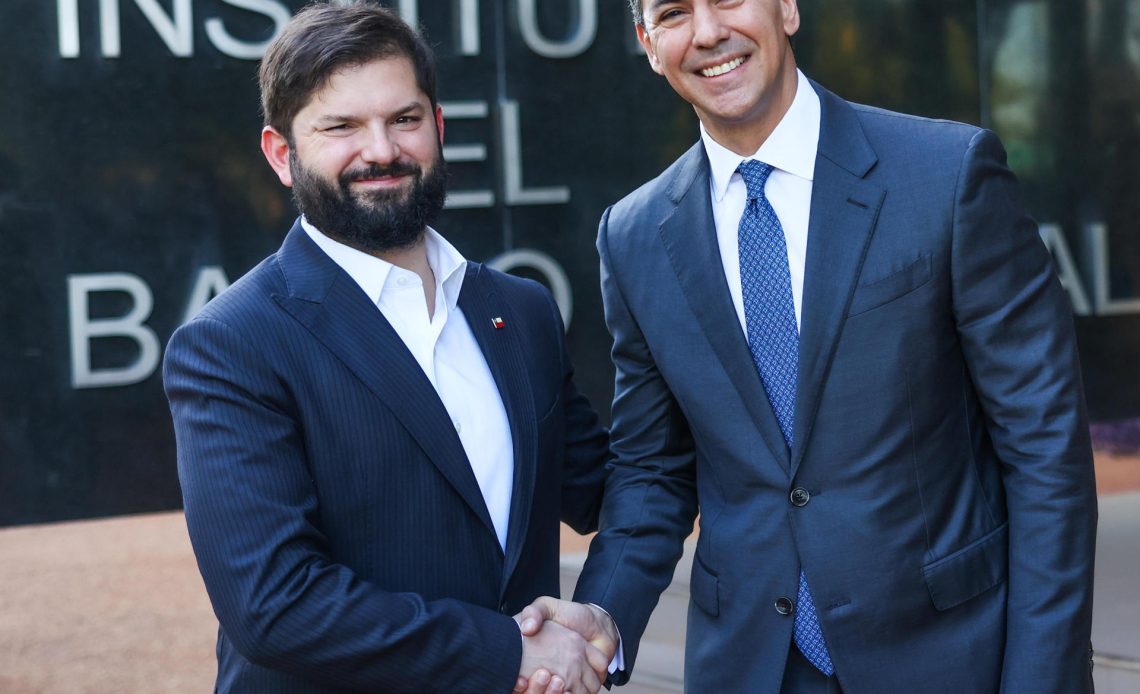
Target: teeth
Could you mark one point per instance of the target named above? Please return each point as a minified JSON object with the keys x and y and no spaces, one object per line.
{"x":723,"y":68}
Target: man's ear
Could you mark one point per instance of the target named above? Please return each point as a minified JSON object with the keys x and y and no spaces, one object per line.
{"x":790,"y":12}
{"x":275,"y":147}
{"x":439,"y":123}
{"x":647,"y":44}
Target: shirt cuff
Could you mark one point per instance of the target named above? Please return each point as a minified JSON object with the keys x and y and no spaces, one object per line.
{"x":618,"y":663}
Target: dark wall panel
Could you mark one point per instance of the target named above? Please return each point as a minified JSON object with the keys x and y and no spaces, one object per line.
{"x":132,"y":186}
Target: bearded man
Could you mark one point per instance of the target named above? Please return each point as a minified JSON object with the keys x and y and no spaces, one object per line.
{"x":376,"y":437}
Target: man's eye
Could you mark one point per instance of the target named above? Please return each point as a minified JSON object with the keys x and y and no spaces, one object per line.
{"x":339,"y":127}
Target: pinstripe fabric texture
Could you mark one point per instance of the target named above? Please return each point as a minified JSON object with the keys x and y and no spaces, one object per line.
{"x":339,"y":528}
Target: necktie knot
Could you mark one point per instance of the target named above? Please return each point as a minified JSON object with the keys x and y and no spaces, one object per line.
{"x":755,"y":175}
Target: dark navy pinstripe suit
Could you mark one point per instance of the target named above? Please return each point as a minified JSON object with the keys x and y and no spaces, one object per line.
{"x":341,"y":533}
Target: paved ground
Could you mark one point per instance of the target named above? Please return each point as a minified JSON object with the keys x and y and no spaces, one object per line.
{"x":1116,"y":603}
{"x":1117,"y":473}
{"x":103,"y":606}
{"x":117,"y":605}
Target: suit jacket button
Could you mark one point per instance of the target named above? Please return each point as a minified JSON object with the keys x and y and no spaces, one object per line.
{"x":503,"y":607}
{"x":800,"y":496}
{"x":784,"y":606}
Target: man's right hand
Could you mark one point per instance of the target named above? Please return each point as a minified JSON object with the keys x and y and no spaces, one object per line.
{"x":590,"y":621}
{"x":580,"y":667}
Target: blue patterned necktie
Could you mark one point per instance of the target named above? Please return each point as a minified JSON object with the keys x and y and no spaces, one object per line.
{"x":774,"y":340}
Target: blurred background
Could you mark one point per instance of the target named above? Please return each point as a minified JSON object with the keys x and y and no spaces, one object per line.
{"x":132,"y":190}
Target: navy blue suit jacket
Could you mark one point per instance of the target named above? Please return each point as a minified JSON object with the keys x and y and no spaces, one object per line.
{"x":342,"y":536}
{"x":940,"y":428}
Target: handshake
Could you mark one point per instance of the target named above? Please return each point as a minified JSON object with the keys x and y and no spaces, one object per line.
{"x":567,"y":647}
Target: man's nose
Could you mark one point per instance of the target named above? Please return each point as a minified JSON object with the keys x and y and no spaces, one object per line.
{"x":380,"y":148}
{"x":708,"y":29}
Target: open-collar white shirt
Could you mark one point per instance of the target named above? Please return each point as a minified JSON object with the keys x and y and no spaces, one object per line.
{"x":445,"y":348}
{"x":790,"y":149}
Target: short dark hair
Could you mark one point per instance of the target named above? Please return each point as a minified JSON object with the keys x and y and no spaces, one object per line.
{"x":635,"y":8}
{"x":324,"y":38}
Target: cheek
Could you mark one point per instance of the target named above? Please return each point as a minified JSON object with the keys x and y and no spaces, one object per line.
{"x":333,"y":159}
{"x":673,"y":52}
{"x":422,"y":146}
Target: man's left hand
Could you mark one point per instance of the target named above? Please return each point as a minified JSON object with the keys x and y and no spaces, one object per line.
{"x":591,"y":622}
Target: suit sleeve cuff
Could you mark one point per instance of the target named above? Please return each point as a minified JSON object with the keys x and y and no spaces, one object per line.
{"x":618,"y":663}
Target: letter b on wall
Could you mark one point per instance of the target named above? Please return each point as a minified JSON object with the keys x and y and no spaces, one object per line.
{"x":130,"y":325}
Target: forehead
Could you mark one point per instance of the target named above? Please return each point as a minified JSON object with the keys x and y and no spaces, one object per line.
{"x":381,"y":84}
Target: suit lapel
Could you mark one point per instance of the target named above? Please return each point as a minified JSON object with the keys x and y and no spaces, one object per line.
{"x":688,"y":234}
{"x":481,"y":304}
{"x":844,"y":209}
{"x":326,"y":301}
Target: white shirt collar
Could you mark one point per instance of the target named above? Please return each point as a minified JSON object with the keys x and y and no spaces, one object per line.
{"x":791,"y":147}
{"x":371,"y":273}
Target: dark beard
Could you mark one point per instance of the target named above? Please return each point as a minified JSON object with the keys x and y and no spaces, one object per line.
{"x":377,"y":221}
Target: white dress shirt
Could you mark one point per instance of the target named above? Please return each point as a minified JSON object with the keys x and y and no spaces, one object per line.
{"x":790,"y":149}
{"x":446,"y":350}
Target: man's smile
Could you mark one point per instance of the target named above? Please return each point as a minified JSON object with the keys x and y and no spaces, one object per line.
{"x":380,"y":181}
{"x":379,"y":177}
{"x":717,"y":70}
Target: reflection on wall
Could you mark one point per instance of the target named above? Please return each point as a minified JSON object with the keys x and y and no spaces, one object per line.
{"x":1110,"y":148}
{"x":1132,"y":37}
{"x":1114,"y":134}
{"x":918,"y":57}
{"x":1018,"y":85}
{"x":1060,"y":83}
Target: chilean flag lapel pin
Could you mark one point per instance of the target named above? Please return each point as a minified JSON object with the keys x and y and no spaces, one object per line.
{"x":497,"y":321}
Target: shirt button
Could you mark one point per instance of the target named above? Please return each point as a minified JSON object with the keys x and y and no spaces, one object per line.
{"x":784,"y":606}
{"x":458,"y":428}
{"x":800,"y":497}
{"x":402,"y":281}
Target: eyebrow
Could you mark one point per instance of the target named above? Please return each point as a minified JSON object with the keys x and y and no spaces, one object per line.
{"x":414,"y":106}
{"x":331,"y":118}
{"x":340,"y":118}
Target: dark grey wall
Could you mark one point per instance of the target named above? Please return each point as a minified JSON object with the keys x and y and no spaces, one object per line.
{"x":132,"y":186}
